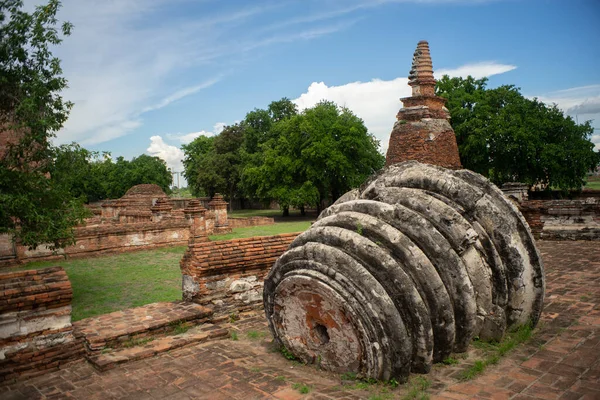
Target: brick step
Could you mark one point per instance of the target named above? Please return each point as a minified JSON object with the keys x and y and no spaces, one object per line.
{"x":145,"y":349}
{"x":121,"y":329}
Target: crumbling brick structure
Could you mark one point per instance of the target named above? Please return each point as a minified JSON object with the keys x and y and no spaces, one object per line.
{"x":36,"y":335}
{"x":423,"y":132}
{"x":226,"y":275}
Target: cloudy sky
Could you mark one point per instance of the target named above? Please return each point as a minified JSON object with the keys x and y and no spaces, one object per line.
{"x":149,"y":75}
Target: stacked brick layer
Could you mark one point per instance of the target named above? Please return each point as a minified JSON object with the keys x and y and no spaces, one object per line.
{"x":35,"y":322}
{"x":228,"y":275}
{"x":563,"y":219}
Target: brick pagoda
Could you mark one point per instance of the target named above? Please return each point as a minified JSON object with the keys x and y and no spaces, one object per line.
{"x":423,"y":132}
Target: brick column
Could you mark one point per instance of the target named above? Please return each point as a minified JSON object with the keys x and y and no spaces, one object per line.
{"x":219,"y":208}
{"x":195,"y":213}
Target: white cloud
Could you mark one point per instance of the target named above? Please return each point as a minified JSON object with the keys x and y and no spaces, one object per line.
{"x":476,"y":70}
{"x":377,"y":102}
{"x":172,"y":155}
{"x":185,"y":138}
{"x":127,"y":58}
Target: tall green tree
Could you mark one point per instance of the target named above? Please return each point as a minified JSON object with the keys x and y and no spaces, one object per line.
{"x":194,"y":154}
{"x":74,"y":169}
{"x":33,"y":205}
{"x":507,"y":137}
{"x":314,"y":157}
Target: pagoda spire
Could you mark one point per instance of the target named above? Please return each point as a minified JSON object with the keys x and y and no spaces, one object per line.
{"x":421,"y":77}
{"x":423,"y":131}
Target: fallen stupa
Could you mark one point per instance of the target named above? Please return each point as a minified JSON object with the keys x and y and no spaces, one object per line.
{"x":412,"y":266}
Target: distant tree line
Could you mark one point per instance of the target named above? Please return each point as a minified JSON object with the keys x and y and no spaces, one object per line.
{"x":299,"y":159}
{"x":94,"y":176}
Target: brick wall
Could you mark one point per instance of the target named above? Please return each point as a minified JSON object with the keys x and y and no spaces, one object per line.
{"x":250,"y":221}
{"x":36,"y":335}
{"x":228,"y":275}
{"x":563,"y":219}
{"x":113,"y":238}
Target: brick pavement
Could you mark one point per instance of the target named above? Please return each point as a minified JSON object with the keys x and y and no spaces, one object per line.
{"x":562,"y":360}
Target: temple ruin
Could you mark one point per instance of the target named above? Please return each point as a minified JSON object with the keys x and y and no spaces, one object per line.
{"x":400,"y":273}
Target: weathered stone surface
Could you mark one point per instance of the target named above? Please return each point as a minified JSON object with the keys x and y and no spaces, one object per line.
{"x":399,"y":274}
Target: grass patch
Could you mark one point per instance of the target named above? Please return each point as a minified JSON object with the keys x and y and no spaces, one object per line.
{"x":287,"y":354}
{"x":255,"y":335}
{"x":417,"y":387}
{"x":302,"y":388}
{"x":137,"y":342}
{"x":593,"y":182}
{"x":105,"y":284}
{"x":233,"y":335}
{"x":179,"y":327}
{"x":450,"y":361}
{"x":265,"y":230}
{"x":493,"y":351}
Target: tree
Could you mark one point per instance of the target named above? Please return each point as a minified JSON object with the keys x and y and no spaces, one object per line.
{"x":74,"y":169}
{"x":218,"y":170}
{"x":33,"y":205}
{"x":314,"y":156}
{"x":507,"y":137}
{"x":194,"y":153}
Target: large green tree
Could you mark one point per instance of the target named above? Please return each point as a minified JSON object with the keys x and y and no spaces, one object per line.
{"x":34,"y":206}
{"x":507,"y":137}
{"x":314,"y":157}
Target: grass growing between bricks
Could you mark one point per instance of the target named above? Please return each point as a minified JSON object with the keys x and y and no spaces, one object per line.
{"x":493,"y":351}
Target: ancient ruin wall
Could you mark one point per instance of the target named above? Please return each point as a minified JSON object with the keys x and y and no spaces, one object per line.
{"x":228,"y":275}
{"x":36,"y":335}
{"x":405,"y":271}
{"x":250,"y":221}
{"x":114,"y":238}
{"x":563,"y":219}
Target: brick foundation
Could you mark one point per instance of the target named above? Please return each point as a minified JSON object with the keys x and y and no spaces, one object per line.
{"x":228,"y":275}
{"x":36,"y":335}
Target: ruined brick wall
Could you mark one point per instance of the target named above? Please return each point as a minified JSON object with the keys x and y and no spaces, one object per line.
{"x":113,"y":238}
{"x":228,"y":275}
{"x":563,"y":219}
{"x":36,"y":335}
{"x":250,"y":221}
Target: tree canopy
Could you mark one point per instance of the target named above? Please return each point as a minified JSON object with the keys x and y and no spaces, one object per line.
{"x":34,"y":206}
{"x":509,"y":138}
{"x":298,"y":159}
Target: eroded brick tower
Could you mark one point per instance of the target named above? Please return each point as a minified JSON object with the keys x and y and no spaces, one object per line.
{"x":422,"y":131}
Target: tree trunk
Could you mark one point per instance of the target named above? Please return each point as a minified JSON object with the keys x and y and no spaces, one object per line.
{"x":302,"y":211}
{"x":286,"y":211}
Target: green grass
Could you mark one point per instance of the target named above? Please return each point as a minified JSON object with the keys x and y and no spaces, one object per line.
{"x":417,"y":387}
{"x":301,"y":387}
{"x":255,"y":335}
{"x":266,"y":230}
{"x":494,"y":350}
{"x":110,"y":283}
{"x":593,"y":182}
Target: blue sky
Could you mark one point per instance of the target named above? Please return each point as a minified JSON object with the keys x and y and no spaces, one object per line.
{"x":149,"y":75}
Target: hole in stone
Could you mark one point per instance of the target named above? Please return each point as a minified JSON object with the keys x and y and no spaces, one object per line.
{"x":321,"y":333}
